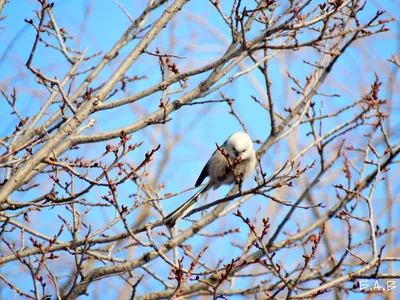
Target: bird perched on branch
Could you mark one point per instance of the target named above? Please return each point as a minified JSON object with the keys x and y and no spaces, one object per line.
{"x":231,"y":163}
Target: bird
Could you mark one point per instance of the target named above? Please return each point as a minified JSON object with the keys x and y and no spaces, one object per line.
{"x":233,"y":162}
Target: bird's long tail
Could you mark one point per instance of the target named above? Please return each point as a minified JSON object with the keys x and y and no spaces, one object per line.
{"x":182,"y":210}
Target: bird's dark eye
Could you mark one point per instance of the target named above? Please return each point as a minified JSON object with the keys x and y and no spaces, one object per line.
{"x":234,"y":149}
{"x":244,"y":150}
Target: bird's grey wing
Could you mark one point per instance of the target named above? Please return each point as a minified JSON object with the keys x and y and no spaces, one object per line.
{"x":203,"y":175}
{"x":205,"y":172}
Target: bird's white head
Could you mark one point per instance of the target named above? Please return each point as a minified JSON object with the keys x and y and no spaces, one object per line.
{"x":239,"y":144}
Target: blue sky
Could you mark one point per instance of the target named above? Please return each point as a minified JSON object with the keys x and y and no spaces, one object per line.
{"x":99,"y":24}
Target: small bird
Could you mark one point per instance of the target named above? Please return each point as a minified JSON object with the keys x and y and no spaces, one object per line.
{"x":235,"y":158}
